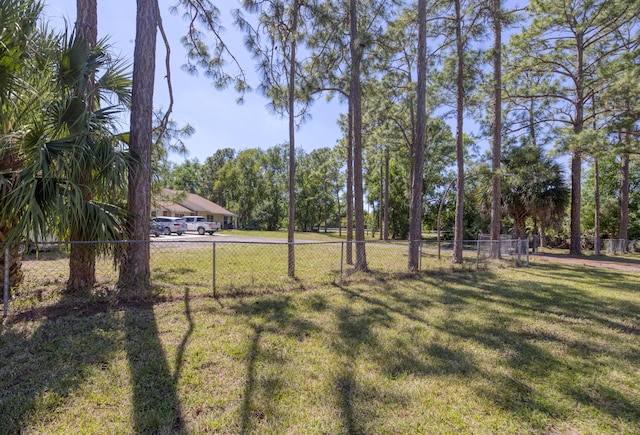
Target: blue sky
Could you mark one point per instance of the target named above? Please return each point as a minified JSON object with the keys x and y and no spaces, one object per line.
{"x":218,"y":120}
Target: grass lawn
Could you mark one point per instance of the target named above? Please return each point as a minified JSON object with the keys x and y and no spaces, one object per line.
{"x":321,"y":236}
{"x":332,"y":235}
{"x":546,"y":349}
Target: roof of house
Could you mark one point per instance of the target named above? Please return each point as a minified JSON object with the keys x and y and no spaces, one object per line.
{"x":173,"y":207}
{"x":194,"y":203}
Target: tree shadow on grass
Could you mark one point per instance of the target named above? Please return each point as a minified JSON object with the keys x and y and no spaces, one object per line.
{"x":268,"y":318}
{"x":552,"y":335}
{"x":274,"y":317}
{"x":567,"y":298}
{"x":355,"y":328}
{"x":248,"y":414}
{"x":495,"y":315}
{"x":362,"y":326}
{"x":584,"y":274}
{"x":76,"y":337}
{"x":42,"y":368}
{"x":156,"y":407}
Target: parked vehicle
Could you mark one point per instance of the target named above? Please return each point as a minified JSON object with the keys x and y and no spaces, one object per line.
{"x":171,"y":225}
{"x":201,"y":225}
{"x":156,"y":228}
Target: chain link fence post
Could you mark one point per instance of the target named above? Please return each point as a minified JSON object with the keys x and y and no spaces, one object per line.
{"x":519,"y":252}
{"x":341,"y":259}
{"x":213,"y":277}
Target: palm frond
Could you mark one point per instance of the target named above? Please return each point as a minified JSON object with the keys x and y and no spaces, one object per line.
{"x":117,"y":81}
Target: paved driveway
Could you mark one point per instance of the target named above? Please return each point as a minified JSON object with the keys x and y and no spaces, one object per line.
{"x":216,"y":237}
{"x":621,"y":263}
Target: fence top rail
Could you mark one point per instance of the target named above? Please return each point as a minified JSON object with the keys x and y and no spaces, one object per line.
{"x":209,"y":241}
{"x":189,"y":241}
{"x":256,"y":242}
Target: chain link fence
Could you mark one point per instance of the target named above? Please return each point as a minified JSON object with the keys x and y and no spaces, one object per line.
{"x":615,"y":246}
{"x":513,"y":249}
{"x":222,"y":268}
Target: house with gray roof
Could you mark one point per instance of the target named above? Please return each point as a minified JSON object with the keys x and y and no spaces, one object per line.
{"x":179,"y":204}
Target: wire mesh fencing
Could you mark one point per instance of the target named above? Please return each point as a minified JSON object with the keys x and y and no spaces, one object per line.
{"x":615,"y":246}
{"x":504,"y":248}
{"x":224,"y":268}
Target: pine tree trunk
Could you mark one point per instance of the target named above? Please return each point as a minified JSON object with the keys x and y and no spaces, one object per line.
{"x":355,"y":97}
{"x":349,"y":224}
{"x":575,"y":243}
{"x":575,"y":247}
{"x":291,"y":262}
{"x":339,"y":214}
{"x":596,"y":187}
{"x":386,"y":194}
{"x":87,"y":20}
{"x":624,"y":197}
{"x":496,"y":146}
{"x":458,"y":231}
{"x":381,"y":200}
{"x":417,"y":154}
{"x":135,"y":271}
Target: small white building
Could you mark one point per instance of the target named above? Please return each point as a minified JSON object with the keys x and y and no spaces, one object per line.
{"x":179,"y":204}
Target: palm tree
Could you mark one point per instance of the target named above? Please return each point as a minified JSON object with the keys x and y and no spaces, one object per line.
{"x":74,"y":166}
{"x":535,"y":188}
{"x":18,"y":19}
{"x":551,"y":203}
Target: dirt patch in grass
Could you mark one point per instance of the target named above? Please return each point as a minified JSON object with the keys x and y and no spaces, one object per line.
{"x":622,"y":264}
{"x":80,"y":307}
